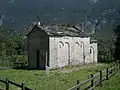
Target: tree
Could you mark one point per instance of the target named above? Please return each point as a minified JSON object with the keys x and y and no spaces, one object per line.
{"x":117,"y":43}
{"x":12,"y":48}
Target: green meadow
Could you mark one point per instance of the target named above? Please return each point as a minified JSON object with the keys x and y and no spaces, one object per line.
{"x":58,"y":79}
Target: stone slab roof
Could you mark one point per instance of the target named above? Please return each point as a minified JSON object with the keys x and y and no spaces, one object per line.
{"x":55,"y":30}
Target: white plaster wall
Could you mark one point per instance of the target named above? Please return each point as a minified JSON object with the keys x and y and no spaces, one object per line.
{"x":94,"y":45}
{"x":52,"y":53}
{"x":53,"y":50}
{"x":76,"y":54}
{"x":78,"y":58}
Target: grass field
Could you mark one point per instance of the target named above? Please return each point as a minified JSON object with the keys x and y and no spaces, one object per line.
{"x":59,"y":79}
{"x":112,"y":84}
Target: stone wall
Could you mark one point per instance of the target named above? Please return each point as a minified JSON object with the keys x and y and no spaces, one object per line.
{"x":62,"y":51}
{"x":68,"y":51}
{"x":94,"y":52}
{"x":37,"y":40}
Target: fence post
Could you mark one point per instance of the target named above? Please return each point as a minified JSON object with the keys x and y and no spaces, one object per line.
{"x":23,"y":86}
{"x":78,"y":82}
{"x":7,"y":84}
{"x":107,"y":73}
{"x":100,"y":77}
{"x":92,"y":81}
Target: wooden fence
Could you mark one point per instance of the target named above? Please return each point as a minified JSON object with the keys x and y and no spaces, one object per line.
{"x":97,"y":79}
{"x":90,"y":84}
{"x":7,"y":82}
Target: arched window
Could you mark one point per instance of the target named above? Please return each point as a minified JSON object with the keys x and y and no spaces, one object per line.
{"x":63,"y":54}
{"x":77,"y":43}
{"x":82,"y":54}
{"x":77,"y":53}
{"x":77,"y":47}
{"x":60,"y":44}
{"x":90,"y":51}
{"x":60,"y":54}
{"x":67,"y":53}
{"x":81,"y":44}
{"x":91,"y":54}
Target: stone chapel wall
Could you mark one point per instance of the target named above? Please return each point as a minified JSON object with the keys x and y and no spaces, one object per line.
{"x":68,"y":51}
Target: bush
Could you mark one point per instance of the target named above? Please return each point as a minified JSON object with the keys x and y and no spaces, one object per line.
{"x":16,"y":59}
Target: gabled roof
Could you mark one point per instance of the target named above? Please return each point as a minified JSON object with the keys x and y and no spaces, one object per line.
{"x":55,"y":30}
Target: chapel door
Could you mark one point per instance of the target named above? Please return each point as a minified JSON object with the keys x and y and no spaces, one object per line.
{"x":37,"y":59}
{"x":41,"y":58}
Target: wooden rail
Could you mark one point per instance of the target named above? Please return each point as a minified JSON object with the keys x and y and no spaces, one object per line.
{"x":96,"y":79}
{"x":8,"y":82}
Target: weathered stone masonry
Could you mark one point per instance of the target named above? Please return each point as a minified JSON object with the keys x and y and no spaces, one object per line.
{"x":64,"y":47}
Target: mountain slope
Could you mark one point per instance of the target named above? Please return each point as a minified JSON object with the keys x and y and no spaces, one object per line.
{"x":17,"y":13}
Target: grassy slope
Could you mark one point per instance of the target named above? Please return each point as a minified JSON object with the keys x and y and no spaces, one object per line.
{"x":60,"y":79}
{"x":112,"y":84}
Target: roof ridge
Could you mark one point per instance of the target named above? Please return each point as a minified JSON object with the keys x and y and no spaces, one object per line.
{"x":66,"y":31}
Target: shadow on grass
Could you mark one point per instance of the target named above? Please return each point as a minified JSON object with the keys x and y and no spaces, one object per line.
{"x":25,"y":68}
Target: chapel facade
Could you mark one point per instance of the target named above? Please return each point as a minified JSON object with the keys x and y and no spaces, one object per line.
{"x":59,"y":46}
